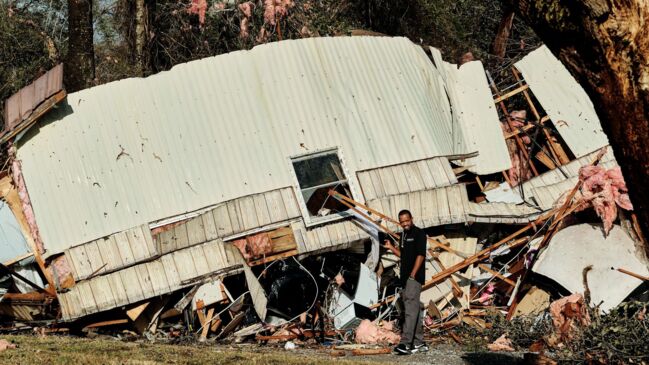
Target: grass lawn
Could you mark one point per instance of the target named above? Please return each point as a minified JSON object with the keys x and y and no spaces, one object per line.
{"x":76,"y":351}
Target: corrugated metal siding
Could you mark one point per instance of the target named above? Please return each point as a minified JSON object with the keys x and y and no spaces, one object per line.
{"x":163,"y":275}
{"x":231,"y":218}
{"x":21,"y":104}
{"x":506,"y":213}
{"x":405,"y":178}
{"x":546,"y":196}
{"x":429,"y":208}
{"x":138,"y":150}
{"x":12,"y":241}
{"x":111,"y":253}
{"x":476,"y":126}
{"x":564,"y":100}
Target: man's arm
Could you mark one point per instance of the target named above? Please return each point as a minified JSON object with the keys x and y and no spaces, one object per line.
{"x":387,"y":244}
{"x":418,"y":262}
{"x":421,"y":243}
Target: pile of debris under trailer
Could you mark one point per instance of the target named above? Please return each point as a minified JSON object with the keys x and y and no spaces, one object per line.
{"x":537,"y":252}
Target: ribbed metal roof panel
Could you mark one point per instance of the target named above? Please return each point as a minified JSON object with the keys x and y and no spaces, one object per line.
{"x":476,"y":126}
{"x":138,"y":150}
{"x":564,"y":100}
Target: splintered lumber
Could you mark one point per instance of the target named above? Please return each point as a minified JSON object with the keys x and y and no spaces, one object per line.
{"x":521,"y":146}
{"x":206,"y":327}
{"x":511,"y":93}
{"x":509,"y":241}
{"x":455,"y":337}
{"x":496,"y":274}
{"x":555,"y":148}
{"x":135,"y":312}
{"x":351,"y":204}
{"x":637,"y":276}
{"x":107,"y":323}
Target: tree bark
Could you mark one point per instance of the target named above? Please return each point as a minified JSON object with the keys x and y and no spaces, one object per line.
{"x":141,"y":25}
{"x":605,"y":45}
{"x":80,"y":61}
{"x":499,"y":46}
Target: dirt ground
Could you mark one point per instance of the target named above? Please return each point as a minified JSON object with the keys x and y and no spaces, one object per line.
{"x":107,"y":350}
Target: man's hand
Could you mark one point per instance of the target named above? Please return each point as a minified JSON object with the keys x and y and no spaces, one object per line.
{"x":387,"y":244}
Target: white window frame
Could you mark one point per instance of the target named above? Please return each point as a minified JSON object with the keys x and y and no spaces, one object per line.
{"x":310,"y":221}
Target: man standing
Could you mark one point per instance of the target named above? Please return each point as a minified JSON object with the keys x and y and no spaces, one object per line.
{"x":412,"y":251}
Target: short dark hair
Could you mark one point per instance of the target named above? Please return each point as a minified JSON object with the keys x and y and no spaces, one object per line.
{"x":404,"y":212}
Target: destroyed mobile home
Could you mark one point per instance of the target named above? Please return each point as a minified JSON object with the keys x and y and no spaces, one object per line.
{"x":245,"y":195}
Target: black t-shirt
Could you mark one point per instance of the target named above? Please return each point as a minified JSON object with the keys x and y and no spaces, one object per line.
{"x":412,"y":244}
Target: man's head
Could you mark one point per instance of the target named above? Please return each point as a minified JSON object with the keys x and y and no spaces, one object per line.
{"x":405,"y":219}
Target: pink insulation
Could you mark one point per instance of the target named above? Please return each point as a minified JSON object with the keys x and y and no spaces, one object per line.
{"x":369,"y":332}
{"x":244,"y":25}
{"x":502,"y":343}
{"x":604,"y":190}
{"x":26,"y":204}
{"x":275,"y":10}
{"x":255,"y":246}
{"x":519,"y":163}
{"x":198,"y":7}
{"x":569,"y":313}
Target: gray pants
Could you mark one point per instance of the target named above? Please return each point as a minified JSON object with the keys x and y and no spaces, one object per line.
{"x":413,"y":326}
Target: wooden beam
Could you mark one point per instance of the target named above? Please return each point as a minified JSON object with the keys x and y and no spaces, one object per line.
{"x":107,"y":323}
{"x":511,"y":93}
{"x":10,"y":194}
{"x":637,"y":276}
{"x":207,"y":324}
{"x":519,"y":142}
{"x":496,"y":274}
{"x":555,"y":148}
{"x":135,"y":312}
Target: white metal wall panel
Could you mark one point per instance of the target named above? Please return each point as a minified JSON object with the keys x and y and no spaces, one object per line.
{"x":139,"y":150}
{"x":12,"y":241}
{"x":476,"y":126}
{"x":564,"y":100}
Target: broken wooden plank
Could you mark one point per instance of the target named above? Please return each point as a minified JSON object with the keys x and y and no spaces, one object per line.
{"x":511,"y":93}
{"x":111,"y":322}
{"x":135,"y":312}
{"x":496,"y":274}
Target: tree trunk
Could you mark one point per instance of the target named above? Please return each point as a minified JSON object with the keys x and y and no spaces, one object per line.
{"x":499,"y":46}
{"x":605,"y":45}
{"x":80,"y":61}
{"x":141,"y":25}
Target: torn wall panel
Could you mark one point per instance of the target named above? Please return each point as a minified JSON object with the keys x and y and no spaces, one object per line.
{"x":111,"y":253}
{"x":476,"y":126}
{"x":163,"y":275}
{"x":565,"y":101}
{"x":12,"y":242}
{"x":574,"y":248}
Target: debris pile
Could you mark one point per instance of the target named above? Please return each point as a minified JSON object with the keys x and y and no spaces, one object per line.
{"x":531,"y":240}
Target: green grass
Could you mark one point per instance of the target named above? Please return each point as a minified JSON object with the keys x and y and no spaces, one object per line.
{"x":77,"y":351}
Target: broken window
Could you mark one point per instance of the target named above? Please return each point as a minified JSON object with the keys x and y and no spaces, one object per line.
{"x":316,"y":175}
